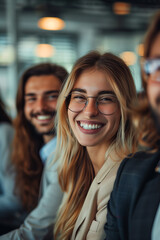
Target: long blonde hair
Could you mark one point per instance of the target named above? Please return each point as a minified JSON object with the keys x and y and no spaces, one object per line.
{"x":75,"y":173}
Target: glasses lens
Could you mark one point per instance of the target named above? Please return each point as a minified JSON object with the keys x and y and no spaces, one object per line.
{"x":107,"y":104}
{"x":151,"y":65}
{"x":77,"y":102}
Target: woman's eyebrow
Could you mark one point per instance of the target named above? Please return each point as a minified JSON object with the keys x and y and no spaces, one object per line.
{"x":99,"y":93}
{"x":106,"y":92}
{"x":79,"y":90}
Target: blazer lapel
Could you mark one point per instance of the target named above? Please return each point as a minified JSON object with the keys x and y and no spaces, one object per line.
{"x":90,"y":204}
{"x":157,"y":169}
{"x":147,"y":203}
{"x":106,"y":168}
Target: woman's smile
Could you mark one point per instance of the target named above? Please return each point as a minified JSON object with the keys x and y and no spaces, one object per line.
{"x":89,"y":127}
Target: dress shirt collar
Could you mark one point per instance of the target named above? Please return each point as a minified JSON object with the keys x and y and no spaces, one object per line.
{"x":47,"y":149}
{"x":157,"y":169}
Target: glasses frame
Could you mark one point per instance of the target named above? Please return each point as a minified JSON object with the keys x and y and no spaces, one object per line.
{"x":96,"y":104}
{"x":148,"y":73}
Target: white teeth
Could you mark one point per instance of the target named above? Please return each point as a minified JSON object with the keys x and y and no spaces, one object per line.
{"x":43,"y":117}
{"x":90,"y":126}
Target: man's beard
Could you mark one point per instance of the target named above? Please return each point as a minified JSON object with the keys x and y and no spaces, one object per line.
{"x":50,"y":132}
{"x":156,"y":114}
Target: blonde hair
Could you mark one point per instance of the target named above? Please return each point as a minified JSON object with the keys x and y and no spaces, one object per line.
{"x":75,"y":173}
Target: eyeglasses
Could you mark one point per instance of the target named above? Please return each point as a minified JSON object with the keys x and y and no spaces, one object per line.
{"x":152,"y":67}
{"x":106,"y":104}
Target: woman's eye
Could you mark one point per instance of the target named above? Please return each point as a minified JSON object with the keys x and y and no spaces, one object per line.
{"x":106,"y":99}
{"x":79,"y":98}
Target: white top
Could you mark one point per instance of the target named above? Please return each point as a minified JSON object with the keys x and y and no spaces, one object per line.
{"x":47,"y":149}
{"x":156,"y":226}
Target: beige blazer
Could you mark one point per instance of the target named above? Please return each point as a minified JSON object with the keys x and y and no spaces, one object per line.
{"x":91,"y":220}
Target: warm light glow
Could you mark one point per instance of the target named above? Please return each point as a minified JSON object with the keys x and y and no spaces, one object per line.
{"x":7,"y":54}
{"x":51,"y":23}
{"x":44,"y":50}
{"x":129,"y":58}
{"x":140,"y":49}
{"x":121,"y":8}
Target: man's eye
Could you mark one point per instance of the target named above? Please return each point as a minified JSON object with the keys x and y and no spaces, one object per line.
{"x":52,"y":97}
{"x":30,"y":99}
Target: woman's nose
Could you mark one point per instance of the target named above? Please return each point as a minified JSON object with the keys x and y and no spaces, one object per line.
{"x":91,"y":107}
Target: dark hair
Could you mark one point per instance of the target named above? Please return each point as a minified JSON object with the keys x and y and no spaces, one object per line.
{"x":153,"y":31}
{"x":146,"y":130}
{"x":27,"y":142}
{"x":3,"y":115}
{"x":38,"y":70}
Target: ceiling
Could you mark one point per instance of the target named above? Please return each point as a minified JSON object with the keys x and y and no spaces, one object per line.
{"x":97,"y":14}
{"x":89,"y":24}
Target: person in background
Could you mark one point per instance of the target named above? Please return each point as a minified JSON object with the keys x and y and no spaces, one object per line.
{"x":134,"y":206}
{"x":34,"y":139}
{"x":10,"y":206}
{"x":34,"y":143}
{"x":94,"y":133}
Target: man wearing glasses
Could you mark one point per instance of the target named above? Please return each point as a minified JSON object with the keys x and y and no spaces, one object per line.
{"x":134,"y":206}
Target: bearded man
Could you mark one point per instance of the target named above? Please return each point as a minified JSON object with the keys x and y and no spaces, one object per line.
{"x":134,"y":206}
{"x":33,"y":146}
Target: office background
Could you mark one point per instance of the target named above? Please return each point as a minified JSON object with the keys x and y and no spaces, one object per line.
{"x":104,"y":25}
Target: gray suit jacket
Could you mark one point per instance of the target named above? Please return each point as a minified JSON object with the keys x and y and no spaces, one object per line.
{"x":39,"y":223}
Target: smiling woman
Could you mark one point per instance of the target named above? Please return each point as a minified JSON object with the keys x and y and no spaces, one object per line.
{"x":98,"y":121}
{"x":94,"y":134}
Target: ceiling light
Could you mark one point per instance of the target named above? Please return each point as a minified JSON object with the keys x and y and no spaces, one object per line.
{"x":44,"y":50}
{"x":129,"y":58}
{"x":51,"y":23}
{"x":121,"y":8}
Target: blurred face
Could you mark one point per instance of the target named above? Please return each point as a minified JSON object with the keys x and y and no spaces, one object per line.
{"x":41,"y":93}
{"x":153,"y":83}
{"x":91,"y":97}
